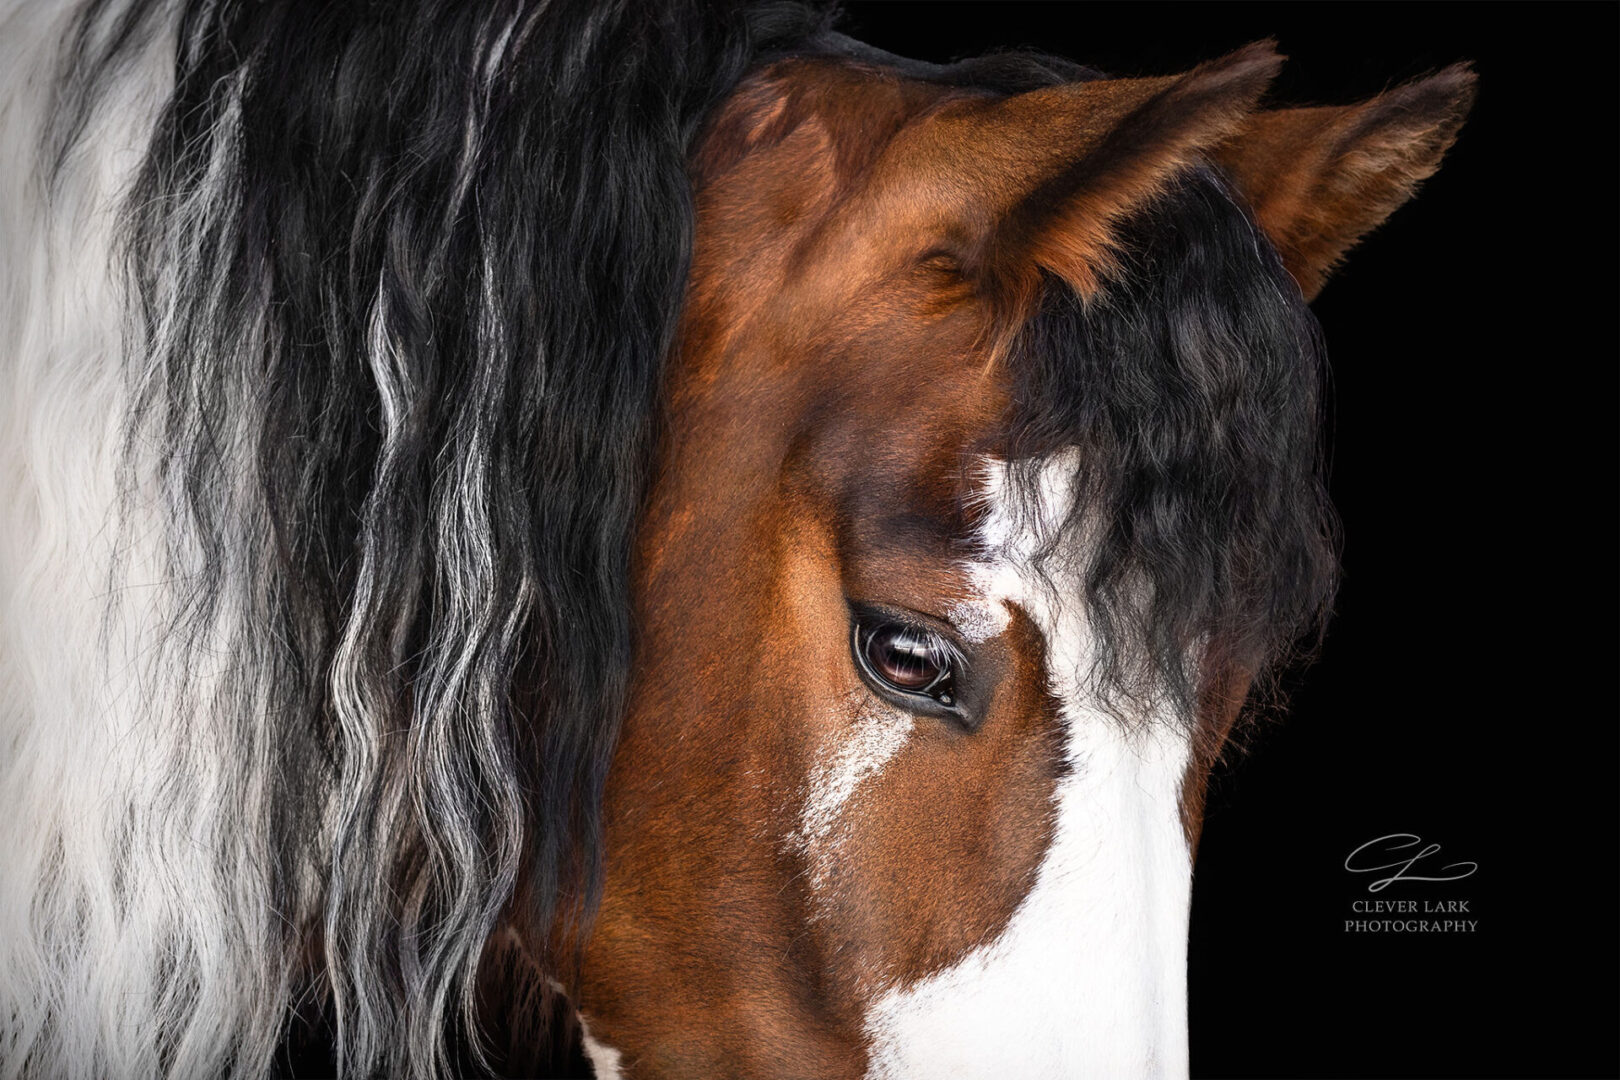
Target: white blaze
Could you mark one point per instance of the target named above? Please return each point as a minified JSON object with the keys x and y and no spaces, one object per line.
{"x":1089,"y":977}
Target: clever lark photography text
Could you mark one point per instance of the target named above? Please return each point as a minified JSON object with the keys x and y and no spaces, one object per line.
{"x":1409,"y":862}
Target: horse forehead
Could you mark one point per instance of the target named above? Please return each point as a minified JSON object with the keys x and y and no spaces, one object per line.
{"x":1021,"y":509}
{"x":870,"y":152}
{"x":836,"y":162}
{"x":866,"y":118}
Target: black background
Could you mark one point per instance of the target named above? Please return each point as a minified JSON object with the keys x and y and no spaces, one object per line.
{"x":1466,"y":689}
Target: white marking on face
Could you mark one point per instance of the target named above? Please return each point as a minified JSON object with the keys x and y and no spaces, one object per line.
{"x":877,"y":734}
{"x":980,"y":620}
{"x":1089,"y":976}
{"x":605,"y":1060}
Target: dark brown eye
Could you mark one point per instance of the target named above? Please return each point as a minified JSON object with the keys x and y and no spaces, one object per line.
{"x":906,"y":659}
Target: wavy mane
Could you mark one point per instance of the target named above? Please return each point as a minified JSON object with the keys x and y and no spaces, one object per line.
{"x":403,"y":281}
{"x":1193,"y":391}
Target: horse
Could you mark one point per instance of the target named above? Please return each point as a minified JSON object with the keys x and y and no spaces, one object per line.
{"x":644,"y":516}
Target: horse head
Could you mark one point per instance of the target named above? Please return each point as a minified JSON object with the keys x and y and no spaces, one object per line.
{"x":989,"y":486}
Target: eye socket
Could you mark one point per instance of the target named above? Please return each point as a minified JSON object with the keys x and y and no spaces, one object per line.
{"x":909,"y":662}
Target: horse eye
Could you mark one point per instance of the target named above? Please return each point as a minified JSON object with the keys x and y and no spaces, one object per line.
{"x":908,"y":660}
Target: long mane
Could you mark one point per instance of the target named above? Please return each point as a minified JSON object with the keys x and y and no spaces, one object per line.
{"x":402,"y":282}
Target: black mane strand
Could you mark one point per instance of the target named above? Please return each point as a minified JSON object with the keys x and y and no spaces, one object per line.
{"x":1192,"y":389}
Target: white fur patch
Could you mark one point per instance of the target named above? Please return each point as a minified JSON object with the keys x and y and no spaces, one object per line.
{"x":1089,"y":977}
{"x":980,"y":620}
{"x":876,"y":735}
{"x":606,"y":1062}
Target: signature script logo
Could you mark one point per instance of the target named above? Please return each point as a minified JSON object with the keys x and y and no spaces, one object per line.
{"x":1394,"y":846}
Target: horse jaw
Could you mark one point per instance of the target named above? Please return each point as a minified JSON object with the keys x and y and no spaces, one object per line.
{"x":1089,"y":978}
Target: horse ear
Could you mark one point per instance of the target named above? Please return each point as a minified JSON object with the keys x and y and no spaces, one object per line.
{"x":1090,"y":153}
{"x":1319,"y":179}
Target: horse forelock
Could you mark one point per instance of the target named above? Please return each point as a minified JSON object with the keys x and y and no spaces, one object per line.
{"x":1192,"y":391}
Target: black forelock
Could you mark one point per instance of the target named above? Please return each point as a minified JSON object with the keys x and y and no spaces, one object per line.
{"x":1191,"y":388}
